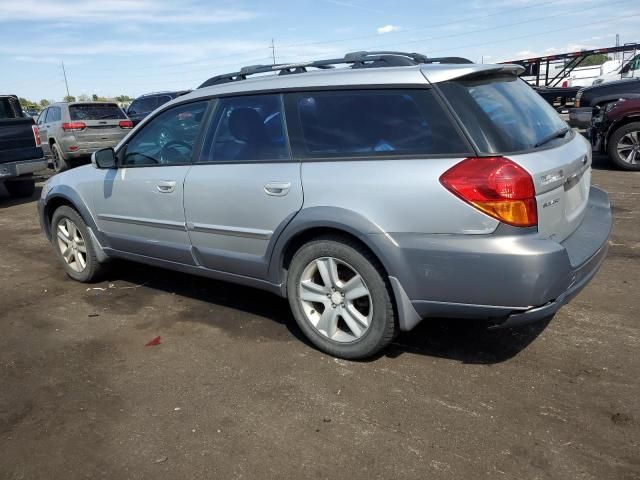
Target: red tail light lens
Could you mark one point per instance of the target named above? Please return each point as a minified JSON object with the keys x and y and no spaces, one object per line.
{"x":73,"y":126}
{"x":126,"y":124}
{"x":36,"y":135}
{"x":497,"y":187}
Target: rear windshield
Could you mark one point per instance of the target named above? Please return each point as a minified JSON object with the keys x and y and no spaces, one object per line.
{"x":96,"y":111}
{"x":6,"y":109}
{"x":503,"y":113}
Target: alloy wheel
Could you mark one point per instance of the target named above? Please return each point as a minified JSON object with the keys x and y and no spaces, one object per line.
{"x":72,"y":245}
{"x":335,"y":299}
{"x":629,"y":148}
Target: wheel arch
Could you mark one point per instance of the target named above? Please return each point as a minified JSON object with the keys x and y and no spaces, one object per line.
{"x":317,"y":221}
{"x":632,"y":118}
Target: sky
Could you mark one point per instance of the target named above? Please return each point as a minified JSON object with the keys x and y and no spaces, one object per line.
{"x":131,"y":47}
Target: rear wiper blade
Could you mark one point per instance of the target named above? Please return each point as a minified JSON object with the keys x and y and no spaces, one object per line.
{"x":557,"y":134}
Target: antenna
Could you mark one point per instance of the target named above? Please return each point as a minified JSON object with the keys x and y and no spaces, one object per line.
{"x":65,"y":78}
{"x":273,"y":51}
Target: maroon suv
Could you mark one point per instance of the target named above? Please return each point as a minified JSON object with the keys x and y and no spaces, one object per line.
{"x":615,"y":128}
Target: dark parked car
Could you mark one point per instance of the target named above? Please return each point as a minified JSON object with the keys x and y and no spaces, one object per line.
{"x":145,"y":104}
{"x":600,"y":95}
{"x":615,"y":129}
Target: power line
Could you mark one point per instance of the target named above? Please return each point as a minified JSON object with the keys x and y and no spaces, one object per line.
{"x":349,"y":39}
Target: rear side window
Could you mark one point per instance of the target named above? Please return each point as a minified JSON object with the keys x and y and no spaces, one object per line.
{"x":371,"y":123}
{"x":502,"y":113}
{"x":143,"y":105}
{"x":247,"y":129}
{"x":54,"y":114}
{"x":6,"y":109}
{"x":96,"y":111}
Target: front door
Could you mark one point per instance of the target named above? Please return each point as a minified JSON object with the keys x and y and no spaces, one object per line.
{"x":243,"y":188}
{"x":139,"y":206}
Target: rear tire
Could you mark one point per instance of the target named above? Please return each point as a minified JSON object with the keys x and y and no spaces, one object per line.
{"x":21,"y":188}
{"x":73,"y":246}
{"x":363,"y":321}
{"x":60,"y":164}
{"x":624,"y":144}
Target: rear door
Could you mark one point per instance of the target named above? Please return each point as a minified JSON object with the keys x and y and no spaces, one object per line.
{"x":244,"y":187}
{"x":505,"y":116}
{"x":102,"y":124}
{"x":139,"y":206}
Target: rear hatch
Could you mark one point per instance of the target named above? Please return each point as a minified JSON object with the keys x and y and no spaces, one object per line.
{"x":505,"y":117}
{"x":102,"y":124}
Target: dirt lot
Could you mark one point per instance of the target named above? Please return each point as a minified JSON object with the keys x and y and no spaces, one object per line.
{"x":233,"y":392}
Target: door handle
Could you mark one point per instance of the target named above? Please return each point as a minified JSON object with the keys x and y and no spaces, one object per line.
{"x":277,"y":189}
{"x":166,"y":186}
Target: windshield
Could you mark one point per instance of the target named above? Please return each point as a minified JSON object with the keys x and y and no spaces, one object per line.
{"x":503,"y":113}
{"x":96,"y":111}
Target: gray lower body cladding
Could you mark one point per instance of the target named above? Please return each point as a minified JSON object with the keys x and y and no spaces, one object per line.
{"x":511,"y":279}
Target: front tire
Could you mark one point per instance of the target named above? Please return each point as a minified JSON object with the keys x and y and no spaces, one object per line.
{"x":73,"y":246}
{"x":21,"y":188}
{"x":340,"y":298}
{"x":624,"y":147}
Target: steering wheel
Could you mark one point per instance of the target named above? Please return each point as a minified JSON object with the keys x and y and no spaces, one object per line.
{"x":169,"y":145}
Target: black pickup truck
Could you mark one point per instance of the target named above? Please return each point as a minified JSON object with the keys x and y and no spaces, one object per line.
{"x":20,"y":151}
{"x":600,"y":95}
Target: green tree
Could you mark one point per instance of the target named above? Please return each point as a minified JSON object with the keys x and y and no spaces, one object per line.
{"x":44,"y":103}
{"x":83,"y":98}
{"x":124,"y":98}
{"x":598,"y":59}
{"x":69,"y":98}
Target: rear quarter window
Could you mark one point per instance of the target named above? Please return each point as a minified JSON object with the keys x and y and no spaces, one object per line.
{"x":373,"y":123}
{"x":96,"y":112}
{"x":502,"y":113}
{"x":6,"y":109}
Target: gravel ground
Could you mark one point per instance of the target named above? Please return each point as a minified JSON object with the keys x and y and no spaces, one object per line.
{"x":233,"y":391}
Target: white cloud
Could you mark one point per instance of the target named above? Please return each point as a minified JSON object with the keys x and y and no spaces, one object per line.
{"x":388,"y":29}
{"x":119,"y":11}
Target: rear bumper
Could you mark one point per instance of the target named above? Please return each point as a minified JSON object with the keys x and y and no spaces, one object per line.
{"x":580,"y":117}
{"x":22,"y":167}
{"x":85,"y":149}
{"x":509,"y":280}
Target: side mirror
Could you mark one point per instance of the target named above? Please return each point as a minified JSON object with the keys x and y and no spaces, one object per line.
{"x":104,"y":158}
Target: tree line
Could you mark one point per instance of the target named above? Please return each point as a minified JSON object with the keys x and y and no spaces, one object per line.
{"x":30,"y":104}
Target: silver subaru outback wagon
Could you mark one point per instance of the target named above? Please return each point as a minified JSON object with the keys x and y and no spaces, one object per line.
{"x":375,"y":195}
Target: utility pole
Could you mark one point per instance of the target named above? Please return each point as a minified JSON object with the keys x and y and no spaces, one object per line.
{"x":273,"y":51}
{"x":65,"y":78}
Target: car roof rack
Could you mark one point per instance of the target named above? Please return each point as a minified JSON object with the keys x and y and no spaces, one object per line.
{"x":355,"y":60}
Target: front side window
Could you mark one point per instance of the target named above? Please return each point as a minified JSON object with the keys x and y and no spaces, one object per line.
{"x":372,"y":123}
{"x":168,"y":139}
{"x":246,"y":129}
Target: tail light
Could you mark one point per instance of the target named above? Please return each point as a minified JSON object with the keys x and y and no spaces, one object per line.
{"x":565,"y":84}
{"x":495,"y":186}
{"x":126,"y":124}
{"x":36,"y":135}
{"x":73,"y":126}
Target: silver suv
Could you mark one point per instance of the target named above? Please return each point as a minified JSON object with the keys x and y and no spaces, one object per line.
{"x":70,"y":132}
{"x":372,"y":196}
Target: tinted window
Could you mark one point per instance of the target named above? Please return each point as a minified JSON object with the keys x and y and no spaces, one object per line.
{"x":43,"y":116}
{"x":502,"y":114}
{"x":246,"y":129}
{"x":96,"y":111}
{"x":374,"y":123}
{"x":6,"y":110}
{"x":143,"y":105}
{"x":162,"y":99}
{"x":167,"y":139}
